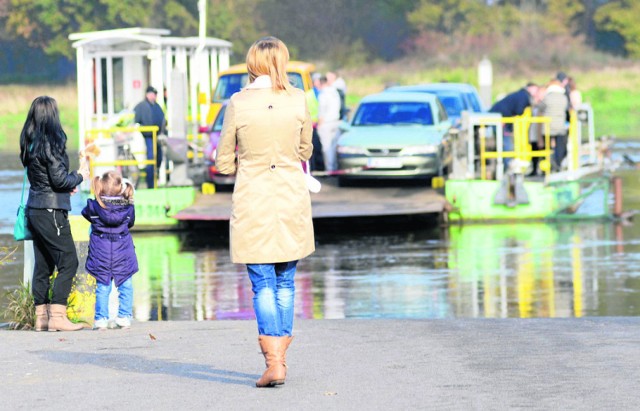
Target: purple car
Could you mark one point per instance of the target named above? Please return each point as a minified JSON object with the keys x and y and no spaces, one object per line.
{"x":210,"y":152}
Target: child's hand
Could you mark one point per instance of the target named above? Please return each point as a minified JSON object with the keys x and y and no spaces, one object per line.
{"x":84,"y":169}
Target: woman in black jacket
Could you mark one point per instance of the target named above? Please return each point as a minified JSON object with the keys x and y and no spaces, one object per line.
{"x":43,"y":152}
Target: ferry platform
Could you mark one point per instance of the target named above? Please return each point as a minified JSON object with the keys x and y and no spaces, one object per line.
{"x":370,"y":200}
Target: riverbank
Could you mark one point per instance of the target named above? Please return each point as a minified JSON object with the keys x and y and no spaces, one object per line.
{"x":333,"y":365}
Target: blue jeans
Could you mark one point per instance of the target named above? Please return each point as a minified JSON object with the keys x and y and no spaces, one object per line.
{"x":273,"y":291}
{"x":125,"y":300}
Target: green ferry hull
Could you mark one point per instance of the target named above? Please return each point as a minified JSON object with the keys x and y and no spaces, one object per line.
{"x":474,"y":200}
{"x":155,"y":208}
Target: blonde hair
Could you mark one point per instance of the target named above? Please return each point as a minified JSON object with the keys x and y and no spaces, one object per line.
{"x":269,"y":57}
{"x":111,"y":184}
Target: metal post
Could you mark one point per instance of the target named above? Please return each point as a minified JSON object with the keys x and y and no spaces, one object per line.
{"x":471,"y":150}
{"x":29,"y":263}
{"x":617,"y":196}
{"x":83,"y":107}
{"x":500,"y":162}
{"x":98,"y":87}
{"x":485,"y":81}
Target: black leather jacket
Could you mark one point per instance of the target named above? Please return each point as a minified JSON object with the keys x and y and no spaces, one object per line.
{"x":51,"y":182}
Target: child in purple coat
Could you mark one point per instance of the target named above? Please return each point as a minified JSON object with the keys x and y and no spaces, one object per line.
{"x":112,"y":256}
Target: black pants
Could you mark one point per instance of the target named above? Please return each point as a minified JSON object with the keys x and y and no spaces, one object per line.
{"x":535,"y":161}
{"x":560,"y":150}
{"x":53,"y":247}
{"x":317,"y":160}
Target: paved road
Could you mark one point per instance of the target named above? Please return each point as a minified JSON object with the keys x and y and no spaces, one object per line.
{"x":334,"y":365}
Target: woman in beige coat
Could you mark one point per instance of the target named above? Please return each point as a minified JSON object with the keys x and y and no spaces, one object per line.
{"x":271,"y":226}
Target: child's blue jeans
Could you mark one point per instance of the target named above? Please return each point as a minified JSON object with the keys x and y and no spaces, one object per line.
{"x":125,"y":300}
{"x":273,"y":289}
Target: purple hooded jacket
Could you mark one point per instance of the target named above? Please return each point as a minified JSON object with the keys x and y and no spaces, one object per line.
{"x":111,"y":251}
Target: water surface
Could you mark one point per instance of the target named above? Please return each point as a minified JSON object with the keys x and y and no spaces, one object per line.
{"x":516,"y":270}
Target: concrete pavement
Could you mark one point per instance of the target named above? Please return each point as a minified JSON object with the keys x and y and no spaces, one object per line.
{"x":334,"y":365}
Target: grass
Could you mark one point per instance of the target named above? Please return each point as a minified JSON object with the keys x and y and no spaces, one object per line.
{"x":610,"y":91}
{"x":20,"y":311}
{"x":15,"y":101}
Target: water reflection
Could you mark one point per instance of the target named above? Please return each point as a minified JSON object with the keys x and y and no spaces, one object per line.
{"x":526,"y":270}
{"x":533,"y":270}
{"x":529,"y":270}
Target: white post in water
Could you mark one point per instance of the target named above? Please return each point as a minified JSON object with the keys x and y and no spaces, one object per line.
{"x":29,"y":263}
{"x":485,"y":81}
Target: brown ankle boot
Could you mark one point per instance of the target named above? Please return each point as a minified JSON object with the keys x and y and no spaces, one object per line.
{"x":273,"y":351}
{"x":42,"y":317}
{"x":58,"y":320}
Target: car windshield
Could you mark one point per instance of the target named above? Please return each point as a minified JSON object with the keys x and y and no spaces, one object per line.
{"x":374,"y":114}
{"x":217,"y":125}
{"x":232,"y":83}
{"x":452,"y":102}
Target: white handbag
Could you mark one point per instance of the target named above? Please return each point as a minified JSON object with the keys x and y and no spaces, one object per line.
{"x":313,"y":184}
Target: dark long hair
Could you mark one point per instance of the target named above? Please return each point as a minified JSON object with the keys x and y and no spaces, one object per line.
{"x":42,"y":127}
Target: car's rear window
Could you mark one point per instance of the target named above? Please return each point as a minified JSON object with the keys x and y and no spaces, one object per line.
{"x":373,"y":114}
{"x":474,"y":102}
{"x":232,"y":83}
{"x":452,"y":102}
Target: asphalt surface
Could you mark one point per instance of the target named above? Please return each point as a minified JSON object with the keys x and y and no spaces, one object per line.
{"x":547,"y":364}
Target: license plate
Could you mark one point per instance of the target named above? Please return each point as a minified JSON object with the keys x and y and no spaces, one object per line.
{"x":377,"y":162}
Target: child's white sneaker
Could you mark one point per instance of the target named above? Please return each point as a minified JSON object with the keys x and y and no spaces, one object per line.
{"x":123,"y":322}
{"x":101,"y":324}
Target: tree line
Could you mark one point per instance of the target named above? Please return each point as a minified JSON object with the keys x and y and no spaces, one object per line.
{"x":350,"y":32}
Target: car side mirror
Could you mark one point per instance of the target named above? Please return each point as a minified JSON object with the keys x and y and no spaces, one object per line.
{"x":344,"y":126}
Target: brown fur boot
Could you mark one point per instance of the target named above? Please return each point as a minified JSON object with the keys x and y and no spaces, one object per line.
{"x":273,"y":351}
{"x":58,"y":320}
{"x":42,"y":317}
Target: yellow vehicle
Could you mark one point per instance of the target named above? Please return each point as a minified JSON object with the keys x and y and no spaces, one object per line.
{"x":236,"y":77}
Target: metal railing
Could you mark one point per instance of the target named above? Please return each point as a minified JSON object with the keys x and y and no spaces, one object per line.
{"x":92,"y":135}
{"x":522,"y":148}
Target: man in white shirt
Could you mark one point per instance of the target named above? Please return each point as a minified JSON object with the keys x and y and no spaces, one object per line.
{"x":328,"y":122}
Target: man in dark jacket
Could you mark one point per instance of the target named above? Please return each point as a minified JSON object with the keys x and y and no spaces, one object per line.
{"x":149,"y":113}
{"x":512,"y":105}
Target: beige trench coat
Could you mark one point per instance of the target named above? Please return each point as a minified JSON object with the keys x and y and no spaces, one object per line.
{"x":271,"y":211}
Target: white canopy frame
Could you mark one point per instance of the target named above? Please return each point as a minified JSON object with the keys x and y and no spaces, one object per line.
{"x":147,"y":57}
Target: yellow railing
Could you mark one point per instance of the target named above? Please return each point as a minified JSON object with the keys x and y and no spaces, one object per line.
{"x":521,"y":147}
{"x":93,"y":134}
